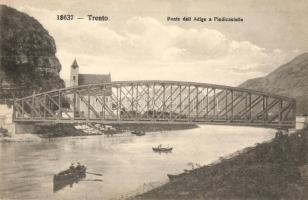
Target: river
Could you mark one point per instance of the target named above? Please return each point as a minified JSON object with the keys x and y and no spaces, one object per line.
{"x":126,"y":161}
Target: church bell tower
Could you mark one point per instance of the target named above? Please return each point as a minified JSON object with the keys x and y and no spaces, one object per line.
{"x":74,"y":82}
{"x":74,"y":74}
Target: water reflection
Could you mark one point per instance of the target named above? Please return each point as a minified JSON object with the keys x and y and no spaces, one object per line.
{"x":59,"y":184}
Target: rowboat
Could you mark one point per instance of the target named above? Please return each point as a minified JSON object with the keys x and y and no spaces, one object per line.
{"x":71,"y":173}
{"x":68,"y":177}
{"x":172,"y":177}
{"x":162,"y":149}
{"x":138,"y":133}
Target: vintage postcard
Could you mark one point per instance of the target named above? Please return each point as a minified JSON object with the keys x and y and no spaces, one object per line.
{"x":153,"y":100}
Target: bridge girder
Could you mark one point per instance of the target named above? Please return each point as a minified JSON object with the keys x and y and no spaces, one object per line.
{"x":158,"y":102}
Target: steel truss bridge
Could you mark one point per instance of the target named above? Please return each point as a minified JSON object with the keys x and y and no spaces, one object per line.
{"x":157,"y":102}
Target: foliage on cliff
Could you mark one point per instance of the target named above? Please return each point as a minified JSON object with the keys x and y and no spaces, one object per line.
{"x":27,"y":53}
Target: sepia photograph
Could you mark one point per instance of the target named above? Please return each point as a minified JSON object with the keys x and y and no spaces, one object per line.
{"x":153,"y":100}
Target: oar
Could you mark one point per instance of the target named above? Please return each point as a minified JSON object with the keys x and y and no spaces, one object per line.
{"x":98,"y":180}
{"x":97,"y":174}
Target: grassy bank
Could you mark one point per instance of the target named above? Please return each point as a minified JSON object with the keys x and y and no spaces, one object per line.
{"x":268,"y":171}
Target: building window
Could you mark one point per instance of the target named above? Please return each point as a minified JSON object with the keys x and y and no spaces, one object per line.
{"x":74,"y":77}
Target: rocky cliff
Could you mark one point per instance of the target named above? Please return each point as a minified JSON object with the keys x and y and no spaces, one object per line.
{"x":290,"y":79}
{"x":27,"y":53}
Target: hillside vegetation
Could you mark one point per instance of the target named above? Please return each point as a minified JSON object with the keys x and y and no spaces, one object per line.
{"x":290,"y":79}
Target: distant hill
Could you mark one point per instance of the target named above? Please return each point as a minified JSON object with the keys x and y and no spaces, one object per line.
{"x":290,"y":79}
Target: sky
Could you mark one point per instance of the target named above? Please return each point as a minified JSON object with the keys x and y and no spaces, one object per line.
{"x":139,"y":43}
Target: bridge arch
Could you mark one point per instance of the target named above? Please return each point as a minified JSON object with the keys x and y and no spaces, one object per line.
{"x":157,"y":102}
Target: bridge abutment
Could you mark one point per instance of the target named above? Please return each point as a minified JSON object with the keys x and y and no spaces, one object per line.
{"x":301,"y":122}
{"x":13,"y":128}
{"x":6,"y":122}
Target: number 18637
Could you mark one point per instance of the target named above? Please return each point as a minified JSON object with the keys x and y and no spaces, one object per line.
{"x":65,"y":17}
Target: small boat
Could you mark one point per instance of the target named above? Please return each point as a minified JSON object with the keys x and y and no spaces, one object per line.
{"x":162,"y":149}
{"x":141,"y":133}
{"x":138,"y":133}
{"x":71,"y":173}
{"x":69,"y":176}
{"x":173,"y":177}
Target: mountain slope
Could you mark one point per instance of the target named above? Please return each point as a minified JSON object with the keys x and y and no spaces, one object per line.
{"x":290,"y":79}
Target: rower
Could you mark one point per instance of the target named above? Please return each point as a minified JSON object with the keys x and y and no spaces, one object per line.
{"x":72,"y":167}
{"x":78,"y":166}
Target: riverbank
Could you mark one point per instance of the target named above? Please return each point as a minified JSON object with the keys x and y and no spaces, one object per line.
{"x":153,"y":127}
{"x":272,"y":170}
{"x":64,"y":130}
{"x":57,"y":130}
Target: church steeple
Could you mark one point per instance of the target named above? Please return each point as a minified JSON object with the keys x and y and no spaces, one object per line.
{"x":74,"y":73}
{"x":75,"y":64}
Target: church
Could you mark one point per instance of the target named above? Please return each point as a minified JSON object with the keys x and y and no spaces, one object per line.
{"x":77,"y":79}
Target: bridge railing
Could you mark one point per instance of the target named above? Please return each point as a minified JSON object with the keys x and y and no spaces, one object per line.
{"x":158,"y":102}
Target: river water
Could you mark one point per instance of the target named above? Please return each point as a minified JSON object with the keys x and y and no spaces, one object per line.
{"x":126,"y":161}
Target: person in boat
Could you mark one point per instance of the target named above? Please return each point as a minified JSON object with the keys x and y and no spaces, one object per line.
{"x":159,"y":146}
{"x":78,"y":166}
{"x":72,"y":167}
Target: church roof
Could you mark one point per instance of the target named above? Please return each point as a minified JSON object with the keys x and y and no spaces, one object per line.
{"x":75,"y":64}
{"x":86,"y":79}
